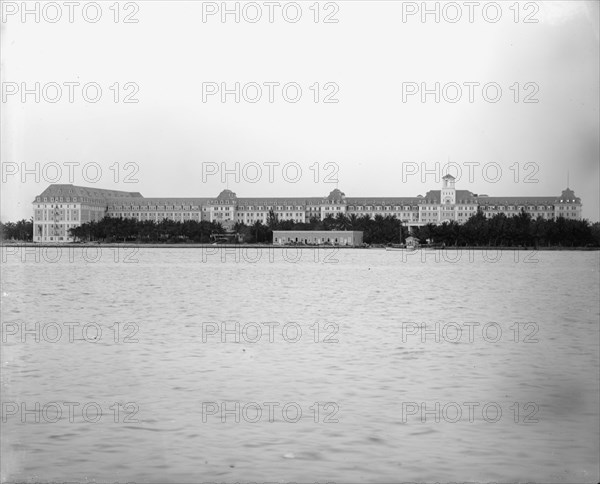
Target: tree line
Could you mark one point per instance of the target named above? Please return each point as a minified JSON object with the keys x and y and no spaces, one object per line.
{"x":478,"y":231}
{"x":21,"y":230}
{"x":519,"y":231}
{"x":380,"y":230}
{"x":111,"y":229}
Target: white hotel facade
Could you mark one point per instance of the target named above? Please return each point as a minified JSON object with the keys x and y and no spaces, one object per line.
{"x":62,"y":207}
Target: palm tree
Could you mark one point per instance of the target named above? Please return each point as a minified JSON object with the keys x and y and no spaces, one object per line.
{"x":342,"y":222}
{"x":256,"y":227}
{"x":353,"y":220}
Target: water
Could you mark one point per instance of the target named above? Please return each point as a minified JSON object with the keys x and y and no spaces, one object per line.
{"x":373,"y":379}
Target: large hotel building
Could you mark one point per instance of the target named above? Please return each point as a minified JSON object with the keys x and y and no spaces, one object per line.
{"x":61,"y":207}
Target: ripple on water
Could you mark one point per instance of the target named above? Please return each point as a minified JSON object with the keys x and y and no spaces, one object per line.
{"x":368,"y":373}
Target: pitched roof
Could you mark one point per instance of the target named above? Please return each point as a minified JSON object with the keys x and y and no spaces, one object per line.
{"x":67,"y":190}
{"x":118,"y":197}
{"x":567,"y":195}
{"x":462,"y":196}
{"x":382,"y":200}
{"x":276,"y":200}
{"x":514,"y":200}
{"x":144,"y":202}
{"x":226,"y":195}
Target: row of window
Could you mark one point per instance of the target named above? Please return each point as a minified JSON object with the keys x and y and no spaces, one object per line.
{"x":517,"y":207}
{"x":367,"y":208}
{"x":56,"y":206}
{"x":353,"y":208}
{"x":54,"y":229}
{"x":459,"y":207}
{"x":317,"y":240}
{"x":300,"y":216}
{"x":68,"y":199}
{"x":65,"y":214}
{"x":159,"y":215}
{"x":204,"y":209}
{"x":51,"y":239}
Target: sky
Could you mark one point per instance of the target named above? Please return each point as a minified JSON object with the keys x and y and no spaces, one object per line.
{"x":374,"y":58}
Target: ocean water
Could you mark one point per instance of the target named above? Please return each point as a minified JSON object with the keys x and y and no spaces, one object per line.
{"x":206,"y":365}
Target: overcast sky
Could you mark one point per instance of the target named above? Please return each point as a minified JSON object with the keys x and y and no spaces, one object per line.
{"x":372,"y":135}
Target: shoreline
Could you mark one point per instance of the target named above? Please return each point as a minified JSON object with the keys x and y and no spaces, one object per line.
{"x":129,"y":245}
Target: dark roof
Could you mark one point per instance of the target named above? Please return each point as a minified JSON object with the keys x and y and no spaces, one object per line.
{"x":275,"y":200}
{"x":226,"y":195}
{"x":65,"y":190}
{"x":567,"y":196}
{"x":382,"y":200}
{"x":336,"y":194}
{"x":462,"y":196}
{"x":117,"y":197}
{"x":514,"y":200}
{"x":158,"y":201}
